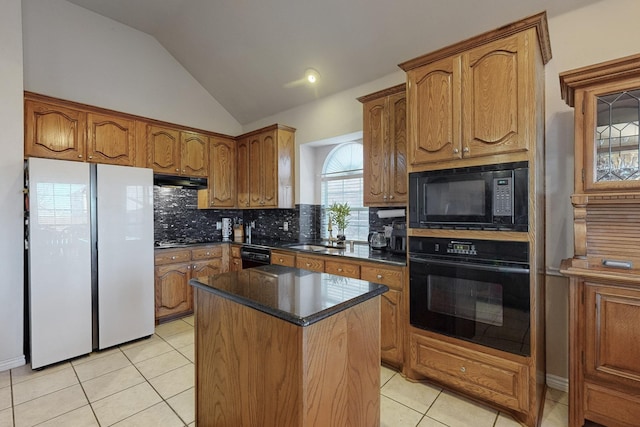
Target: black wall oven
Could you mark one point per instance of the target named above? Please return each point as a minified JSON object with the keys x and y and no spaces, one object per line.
{"x":475,"y":290}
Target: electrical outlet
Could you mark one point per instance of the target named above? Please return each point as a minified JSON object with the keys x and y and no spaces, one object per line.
{"x":285,"y":226}
{"x":219,"y":225}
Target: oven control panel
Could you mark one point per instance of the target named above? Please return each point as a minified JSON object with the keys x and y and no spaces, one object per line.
{"x":461,"y":248}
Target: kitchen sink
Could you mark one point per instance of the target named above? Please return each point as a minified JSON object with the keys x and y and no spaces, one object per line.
{"x":313,"y":248}
{"x":317,"y":248}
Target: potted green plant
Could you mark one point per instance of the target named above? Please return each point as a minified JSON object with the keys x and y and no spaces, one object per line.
{"x":339,"y":213}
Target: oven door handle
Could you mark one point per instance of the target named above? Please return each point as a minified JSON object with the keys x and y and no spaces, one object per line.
{"x":494,"y":268}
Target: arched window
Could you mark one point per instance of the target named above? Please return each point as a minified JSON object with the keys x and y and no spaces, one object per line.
{"x":342,"y":182}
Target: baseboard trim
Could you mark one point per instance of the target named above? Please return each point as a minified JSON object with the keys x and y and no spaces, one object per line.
{"x":12,"y":363}
{"x":558,"y":383}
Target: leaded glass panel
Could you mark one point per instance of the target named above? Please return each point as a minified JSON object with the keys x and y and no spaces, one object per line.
{"x":616,"y":138}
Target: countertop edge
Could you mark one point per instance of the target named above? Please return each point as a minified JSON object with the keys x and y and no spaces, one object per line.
{"x":283,"y":315}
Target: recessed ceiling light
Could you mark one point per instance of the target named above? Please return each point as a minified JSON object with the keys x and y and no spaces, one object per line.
{"x":311,"y":75}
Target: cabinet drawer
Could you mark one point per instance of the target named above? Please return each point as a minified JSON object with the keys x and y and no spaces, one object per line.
{"x":283,"y":258}
{"x":310,"y":263}
{"x":235,"y":251}
{"x":499,"y":380}
{"x":206,"y":253}
{"x":166,"y":256}
{"x":387,"y":276}
{"x":342,"y":269}
{"x":609,"y":406}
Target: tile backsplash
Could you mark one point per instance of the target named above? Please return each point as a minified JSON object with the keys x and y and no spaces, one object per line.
{"x":177,"y":217}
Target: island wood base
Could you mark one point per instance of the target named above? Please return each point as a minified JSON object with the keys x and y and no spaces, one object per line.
{"x":254,"y":369}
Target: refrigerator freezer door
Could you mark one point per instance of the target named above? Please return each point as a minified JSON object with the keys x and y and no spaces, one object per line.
{"x":125,"y":254}
{"x":59,"y":261}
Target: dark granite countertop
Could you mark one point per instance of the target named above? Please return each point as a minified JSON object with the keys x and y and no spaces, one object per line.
{"x":360,"y":251}
{"x":297,"y":296}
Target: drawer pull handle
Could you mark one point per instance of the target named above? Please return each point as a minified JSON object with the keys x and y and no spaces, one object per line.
{"x":463,"y":369}
{"x":617,"y":264}
{"x":379,"y":276}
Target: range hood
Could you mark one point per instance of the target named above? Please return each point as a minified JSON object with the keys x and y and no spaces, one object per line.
{"x":174,"y":181}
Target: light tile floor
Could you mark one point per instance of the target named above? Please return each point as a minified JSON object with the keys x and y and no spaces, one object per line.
{"x":151,"y":383}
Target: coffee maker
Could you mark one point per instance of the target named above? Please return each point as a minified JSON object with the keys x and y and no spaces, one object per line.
{"x":398,"y":239}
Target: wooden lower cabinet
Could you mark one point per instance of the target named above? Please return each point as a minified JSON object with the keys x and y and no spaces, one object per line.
{"x":392,"y":330}
{"x":604,"y":380}
{"x":173,"y":270}
{"x":287,"y":259}
{"x":310,"y":262}
{"x":174,"y":296}
{"x":235,"y":263}
{"x":496,"y":379}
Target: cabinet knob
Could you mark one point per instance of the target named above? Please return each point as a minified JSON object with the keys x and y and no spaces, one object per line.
{"x":308,"y":264}
{"x":177,"y":169}
{"x":280,"y":259}
{"x":91,"y":157}
{"x":340,"y":270}
{"x":379,"y":276}
{"x":79,"y":156}
{"x":391,"y":197}
{"x":208,"y":254}
{"x":173,"y":257}
{"x":463,"y":369}
{"x":184,"y":171}
{"x":384,"y":197}
{"x":456,"y":151}
{"x":188,"y":267}
{"x":466,"y":149}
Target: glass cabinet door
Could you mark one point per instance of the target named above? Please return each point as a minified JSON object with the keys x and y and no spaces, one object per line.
{"x":613,"y":163}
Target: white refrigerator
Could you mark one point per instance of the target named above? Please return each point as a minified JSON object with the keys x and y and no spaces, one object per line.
{"x":90,"y":257}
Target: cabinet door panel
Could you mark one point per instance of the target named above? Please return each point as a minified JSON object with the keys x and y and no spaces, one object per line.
{"x":54,"y":132}
{"x":110,"y":140}
{"x":172,"y":291}
{"x":163,"y":150}
{"x":398,"y":148}
{"x":434,"y":111}
{"x":375,"y":151}
{"x":243,"y":181}
{"x":194,"y":154}
{"x":269,"y":170}
{"x":222,"y":175}
{"x":256,"y":166}
{"x":206,"y":268}
{"x":390,"y":327}
{"x":495,"y":90}
{"x":612,"y":345}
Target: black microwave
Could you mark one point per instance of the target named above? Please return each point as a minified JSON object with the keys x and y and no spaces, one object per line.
{"x":488,"y":197}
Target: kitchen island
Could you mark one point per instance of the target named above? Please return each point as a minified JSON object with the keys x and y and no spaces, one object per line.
{"x":280,"y":346}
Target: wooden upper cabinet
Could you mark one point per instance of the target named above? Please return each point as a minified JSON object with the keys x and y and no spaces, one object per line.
{"x":222,"y":173}
{"x":194,"y":158}
{"x":384,"y":147}
{"x":54,"y":131}
{"x":163,"y":150}
{"x":606,"y":97}
{"x":242,"y":181}
{"x":497,"y":88}
{"x":111,"y":140}
{"x":265,"y":168}
{"x":478,"y":98}
{"x":434,"y":105}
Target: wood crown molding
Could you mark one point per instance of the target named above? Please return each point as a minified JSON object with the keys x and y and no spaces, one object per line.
{"x":538,"y":21}
{"x":572,"y":80}
{"x":384,"y":92}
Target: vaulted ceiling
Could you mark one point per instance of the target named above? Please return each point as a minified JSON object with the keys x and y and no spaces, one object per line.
{"x":250,"y":55}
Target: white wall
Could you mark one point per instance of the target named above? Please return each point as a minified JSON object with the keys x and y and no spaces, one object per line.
{"x":11,"y":198}
{"x":75,"y":54}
